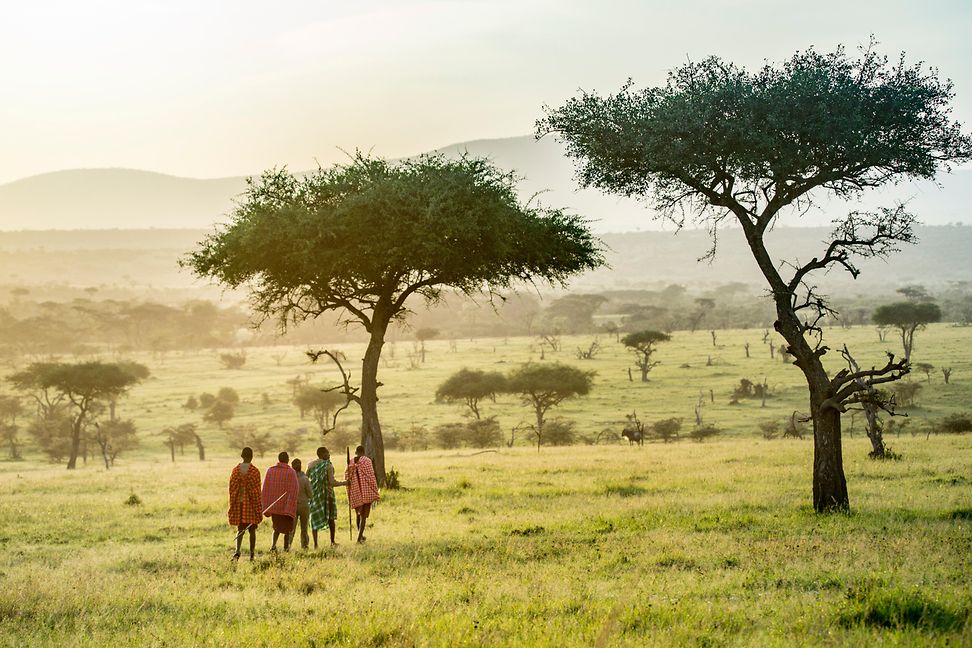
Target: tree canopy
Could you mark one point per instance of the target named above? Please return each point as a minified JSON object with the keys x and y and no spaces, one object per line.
{"x":543,"y":386}
{"x":643,"y":344}
{"x":718,"y":143}
{"x":471,"y":386}
{"x":84,"y":385}
{"x":363,"y":238}
{"x":907,"y":317}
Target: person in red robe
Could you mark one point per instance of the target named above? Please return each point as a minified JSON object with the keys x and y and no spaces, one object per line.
{"x":244,"y":501}
{"x":280,"y":489}
{"x":362,"y":488}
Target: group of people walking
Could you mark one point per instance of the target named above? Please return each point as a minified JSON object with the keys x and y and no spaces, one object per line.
{"x":291,"y":497}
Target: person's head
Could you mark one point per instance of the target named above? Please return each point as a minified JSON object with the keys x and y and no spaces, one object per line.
{"x":296,"y":465}
{"x":247,"y":454}
{"x":359,"y":451}
{"x":283,"y":457}
{"x":322,"y":453}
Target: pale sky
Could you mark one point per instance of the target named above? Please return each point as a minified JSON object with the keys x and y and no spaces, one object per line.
{"x":213,"y":88}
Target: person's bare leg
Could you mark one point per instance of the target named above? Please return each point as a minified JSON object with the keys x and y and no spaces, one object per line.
{"x":273,"y":546}
{"x":252,"y":541}
{"x":314,"y":533}
{"x":240,"y":530}
{"x":362,"y":523}
{"x":332,"y":527}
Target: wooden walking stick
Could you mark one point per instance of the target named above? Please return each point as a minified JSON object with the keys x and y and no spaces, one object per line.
{"x":350,"y":528}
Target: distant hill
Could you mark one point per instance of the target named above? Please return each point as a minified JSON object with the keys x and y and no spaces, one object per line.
{"x":131,"y":199}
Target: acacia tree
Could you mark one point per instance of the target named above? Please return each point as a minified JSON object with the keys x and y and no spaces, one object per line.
{"x":424,"y":334}
{"x":470,"y":386}
{"x":320,"y":403}
{"x":718,"y":144}
{"x":643,"y":344}
{"x":10,"y":408}
{"x":86,"y":386}
{"x":364,"y":238}
{"x":543,"y":386}
{"x":908,"y":317}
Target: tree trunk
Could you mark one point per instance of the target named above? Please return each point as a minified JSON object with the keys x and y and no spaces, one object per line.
{"x":75,"y":442}
{"x":371,"y":438}
{"x":874,"y":432}
{"x":539,"y":426}
{"x":201,"y":448}
{"x":172,"y":450}
{"x":829,"y":483}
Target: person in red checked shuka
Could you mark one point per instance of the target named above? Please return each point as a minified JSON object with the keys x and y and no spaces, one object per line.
{"x":362,"y":488}
{"x":280,"y":489}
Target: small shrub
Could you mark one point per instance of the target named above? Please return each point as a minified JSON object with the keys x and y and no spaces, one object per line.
{"x":961,"y":514}
{"x":770,"y":429}
{"x":133,"y":500}
{"x":559,"y":432}
{"x":624,"y":490}
{"x":393,"y":480}
{"x":206,"y":400}
{"x":528,"y":531}
{"x":905,"y":393}
{"x":484,"y":433}
{"x":956,"y":424}
{"x":191,"y":403}
{"x":228,"y":394}
{"x":667,"y":429}
{"x":449,"y":435}
{"x":703,"y":432}
{"x":233,"y":360}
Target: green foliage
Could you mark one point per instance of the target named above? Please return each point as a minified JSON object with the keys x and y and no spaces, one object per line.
{"x":642,"y":343}
{"x":420,"y":218}
{"x":52,"y":436}
{"x":702,"y":432}
{"x":229,"y":395}
{"x":206,"y":400}
{"x":133,"y":500}
{"x":667,"y":429}
{"x":471,"y":386}
{"x":484,"y":433}
{"x":449,"y":435}
{"x":233,"y":360}
{"x":543,"y":386}
{"x":559,"y":432}
{"x":220,"y":412}
{"x":956,"y":424}
{"x":907,"y":314}
{"x":393,"y":481}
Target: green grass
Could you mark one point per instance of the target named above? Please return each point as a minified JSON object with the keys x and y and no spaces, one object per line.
{"x":705,"y":544}
{"x":686,"y":543}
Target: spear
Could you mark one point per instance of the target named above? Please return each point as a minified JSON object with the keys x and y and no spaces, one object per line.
{"x":240,"y":534}
{"x":350,"y":530}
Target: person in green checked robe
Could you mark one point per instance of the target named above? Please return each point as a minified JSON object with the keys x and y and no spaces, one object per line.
{"x":323,"y":503}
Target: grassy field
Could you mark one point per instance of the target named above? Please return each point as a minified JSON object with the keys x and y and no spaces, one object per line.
{"x":684,"y":543}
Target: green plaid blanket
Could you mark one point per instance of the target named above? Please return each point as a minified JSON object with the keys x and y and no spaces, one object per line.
{"x":323,"y":504}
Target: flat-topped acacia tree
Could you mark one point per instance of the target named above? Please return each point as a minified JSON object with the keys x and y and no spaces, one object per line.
{"x":720,"y":144}
{"x":362,"y":238}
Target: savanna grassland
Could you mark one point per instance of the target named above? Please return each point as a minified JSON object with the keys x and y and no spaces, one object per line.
{"x":686,"y":543}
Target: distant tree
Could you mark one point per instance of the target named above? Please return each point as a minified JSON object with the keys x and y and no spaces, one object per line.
{"x":52,"y":436}
{"x":408,"y":228}
{"x":181,"y":435}
{"x":229,"y":395}
{"x":703,"y":306}
{"x":908,"y":317}
{"x":233,"y":360}
{"x":590,"y":352}
{"x":719,"y":143}
{"x":414,"y":437}
{"x":926,"y":368}
{"x":114,"y":437}
{"x":915,"y":293}
{"x":83,"y":385}
{"x":260,"y":442}
{"x":906,"y":393}
{"x":278,"y":357}
{"x":424,"y":334}
{"x":471,"y":386}
{"x":573,"y":314}
{"x":544,"y":386}
{"x":11,"y":408}
{"x":191,"y":404}
{"x":946,"y":374}
{"x":321,"y":404}
{"x":206,"y":400}
{"x":293,"y":440}
{"x":220,"y":412}
{"x":612,"y":329}
{"x":642,"y":344}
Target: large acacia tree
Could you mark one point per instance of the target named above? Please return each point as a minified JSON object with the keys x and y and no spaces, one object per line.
{"x":908,"y":317}
{"x":719,"y":144}
{"x":363,"y":238}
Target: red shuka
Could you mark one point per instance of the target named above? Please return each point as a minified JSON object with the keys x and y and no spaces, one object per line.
{"x":280,"y":491}
{"x":363,"y":487}
{"x":244,"y":497}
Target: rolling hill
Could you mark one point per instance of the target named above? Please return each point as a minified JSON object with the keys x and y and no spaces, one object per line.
{"x":133,"y":199}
